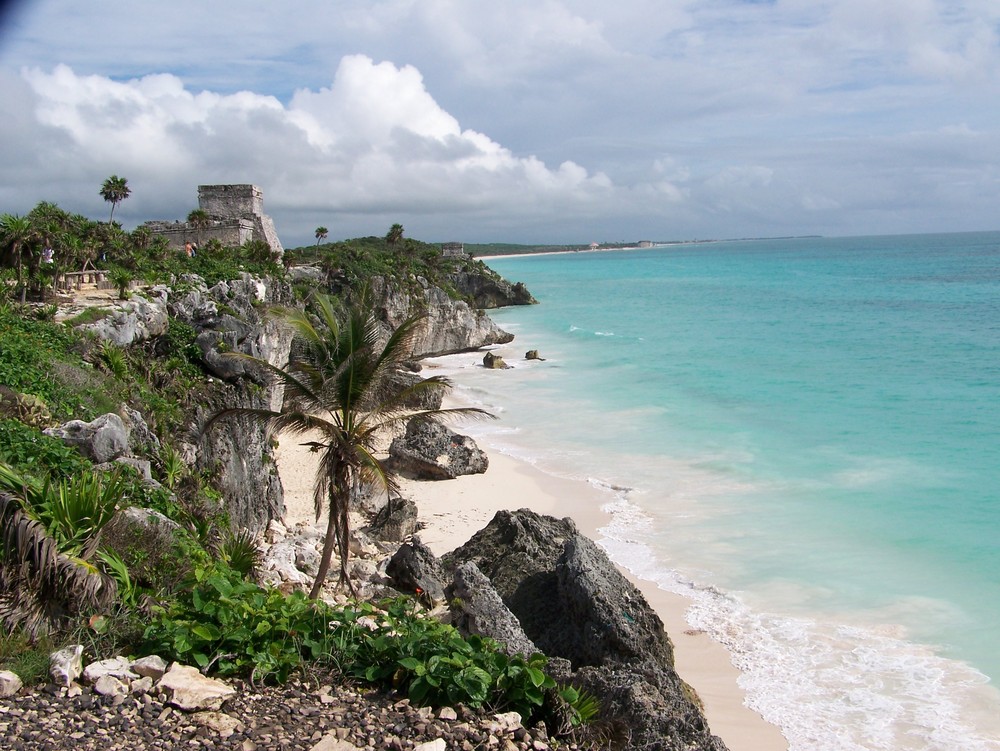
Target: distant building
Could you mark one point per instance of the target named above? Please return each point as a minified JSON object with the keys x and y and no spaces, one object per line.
{"x":595,"y":246}
{"x":645,"y":243}
{"x":452,"y":250}
{"x":236,"y":215}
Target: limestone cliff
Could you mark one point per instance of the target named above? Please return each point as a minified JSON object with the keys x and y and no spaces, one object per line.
{"x":450,"y":326}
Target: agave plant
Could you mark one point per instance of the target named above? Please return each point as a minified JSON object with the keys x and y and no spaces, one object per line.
{"x":240,"y":551}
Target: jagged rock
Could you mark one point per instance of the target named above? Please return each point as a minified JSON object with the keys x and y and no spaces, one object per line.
{"x":142,"y":686}
{"x":430,"y":451}
{"x":132,"y":321}
{"x":66,"y":665}
{"x":494,"y":362}
{"x":10,"y":683}
{"x":100,"y":441}
{"x":116,"y":667}
{"x":275,"y":532}
{"x":573,"y":603}
{"x":438,"y":744}
{"x":396,"y":521}
{"x":532,"y":354}
{"x":490,"y":290}
{"x":414,"y":569}
{"x":189,"y":690}
{"x":292,"y":560}
{"x":477,"y":608}
{"x":152,"y":666}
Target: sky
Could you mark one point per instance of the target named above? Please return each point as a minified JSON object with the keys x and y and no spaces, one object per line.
{"x":534,"y":121}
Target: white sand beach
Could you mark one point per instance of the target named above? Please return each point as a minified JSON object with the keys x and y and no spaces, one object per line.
{"x":453,"y":510}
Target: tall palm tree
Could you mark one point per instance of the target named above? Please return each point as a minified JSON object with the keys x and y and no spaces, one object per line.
{"x":338,"y":386}
{"x":115,"y":190}
{"x":395,"y":234}
{"x":16,"y":232}
{"x":321,"y":234}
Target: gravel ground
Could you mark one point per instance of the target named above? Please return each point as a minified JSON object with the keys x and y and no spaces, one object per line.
{"x":293,"y":717}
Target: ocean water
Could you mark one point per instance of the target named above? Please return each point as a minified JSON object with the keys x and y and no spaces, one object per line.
{"x":803,"y":437}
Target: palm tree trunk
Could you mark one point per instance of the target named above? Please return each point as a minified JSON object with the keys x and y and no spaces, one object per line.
{"x":328,"y":544}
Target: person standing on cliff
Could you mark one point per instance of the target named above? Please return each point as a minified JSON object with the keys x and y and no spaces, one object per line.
{"x":189,"y":249}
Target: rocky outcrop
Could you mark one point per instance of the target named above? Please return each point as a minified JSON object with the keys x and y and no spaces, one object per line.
{"x":230,"y":317}
{"x":573,"y":603}
{"x":488,"y":290}
{"x":449,"y":326}
{"x":430,"y":451}
{"x":395,"y":521}
{"x":133,"y":321}
{"x":414,"y":570}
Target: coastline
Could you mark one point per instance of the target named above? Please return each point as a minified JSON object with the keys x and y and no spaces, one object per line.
{"x":453,"y":510}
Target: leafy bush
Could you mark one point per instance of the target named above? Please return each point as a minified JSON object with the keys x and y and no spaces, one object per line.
{"x":33,"y":452}
{"x":237,"y":627}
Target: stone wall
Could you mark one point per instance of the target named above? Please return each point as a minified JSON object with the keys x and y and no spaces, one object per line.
{"x":237,"y":214}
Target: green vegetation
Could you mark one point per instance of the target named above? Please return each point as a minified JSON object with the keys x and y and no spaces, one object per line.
{"x":393,"y":257}
{"x":114,"y":190}
{"x":72,"y":570}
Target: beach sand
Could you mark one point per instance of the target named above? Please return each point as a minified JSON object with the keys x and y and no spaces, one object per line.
{"x":453,"y":510}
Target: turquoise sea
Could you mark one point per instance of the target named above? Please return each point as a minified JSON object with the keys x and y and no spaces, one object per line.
{"x":802,"y":436}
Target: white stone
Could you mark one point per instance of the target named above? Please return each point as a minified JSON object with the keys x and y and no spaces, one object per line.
{"x":109,"y":685}
{"x":189,"y":690}
{"x":276,"y":531}
{"x":223,"y":724}
{"x":10,"y":683}
{"x":66,"y":665}
{"x":117,"y":667}
{"x":447,"y":713}
{"x":437,"y":744}
{"x":506,"y":722}
{"x":142,"y":686}
{"x":332,"y":743}
{"x":153,"y":667}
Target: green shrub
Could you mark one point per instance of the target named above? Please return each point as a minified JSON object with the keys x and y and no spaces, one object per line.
{"x":31,"y":451}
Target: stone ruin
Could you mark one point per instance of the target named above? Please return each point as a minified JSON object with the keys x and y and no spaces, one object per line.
{"x":236,"y":214}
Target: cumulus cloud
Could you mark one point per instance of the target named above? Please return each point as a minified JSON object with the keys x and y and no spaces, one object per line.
{"x":373,"y":142}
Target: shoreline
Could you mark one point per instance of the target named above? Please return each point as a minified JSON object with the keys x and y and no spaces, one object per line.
{"x":454,"y":510}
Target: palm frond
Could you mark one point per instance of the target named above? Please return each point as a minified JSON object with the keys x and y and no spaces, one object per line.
{"x":41,"y":588}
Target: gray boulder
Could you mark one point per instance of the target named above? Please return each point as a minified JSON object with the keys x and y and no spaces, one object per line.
{"x":414,"y":569}
{"x":425,"y":398}
{"x":102,"y":440}
{"x":573,"y":603}
{"x":430,"y":451}
{"x":395,"y":521}
{"x":477,"y":608}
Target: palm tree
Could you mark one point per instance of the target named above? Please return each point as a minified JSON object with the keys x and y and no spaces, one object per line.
{"x":200,"y":220}
{"x":321,"y":234}
{"x":15,"y":233}
{"x":395,"y":234}
{"x":115,"y":190}
{"x":338,"y":386}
